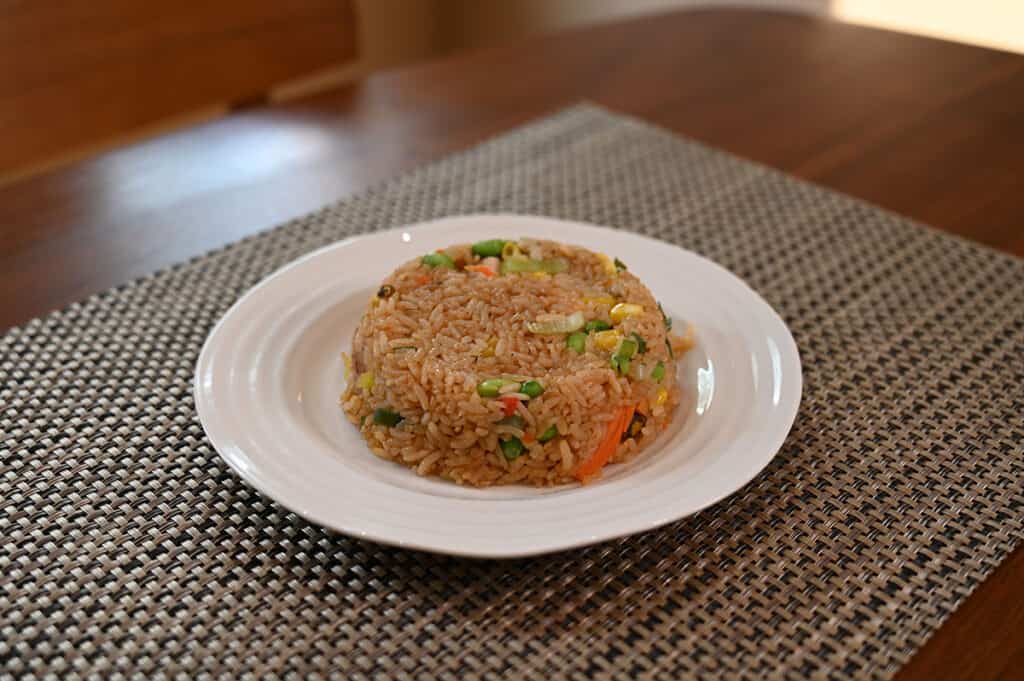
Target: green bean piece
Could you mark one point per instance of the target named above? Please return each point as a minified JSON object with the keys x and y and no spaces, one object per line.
{"x":576,"y":341}
{"x":491,"y":248}
{"x":515,"y":420}
{"x":490,"y":388}
{"x":386,"y":417}
{"x":438,"y":260}
{"x":627,"y":348}
{"x":531,"y":389}
{"x":658,"y":372}
{"x":621,"y":359}
{"x":620,"y":364}
{"x":641,"y":344}
{"x":550,"y":434}
{"x":596,"y":325}
{"x":512,"y":448}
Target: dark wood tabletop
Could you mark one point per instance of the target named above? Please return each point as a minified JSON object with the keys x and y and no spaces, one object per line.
{"x":929,"y":129}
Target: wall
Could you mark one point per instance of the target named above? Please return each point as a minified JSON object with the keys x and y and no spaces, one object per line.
{"x":395,"y":32}
{"x":992,"y":23}
{"x":471,"y":23}
{"x":390,"y":33}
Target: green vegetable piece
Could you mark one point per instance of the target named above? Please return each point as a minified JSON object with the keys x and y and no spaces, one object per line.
{"x":515,"y":420}
{"x":621,"y":359}
{"x":513,"y":264}
{"x":665,"y":318}
{"x":620,"y":364}
{"x":619,"y":265}
{"x":550,"y":434}
{"x":490,"y":388}
{"x":438,"y":260}
{"x":532,"y":389}
{"x":491,"y":248}
{"x":597,"y":325}
{"x":386,"y":417}
{"x":554,"y":265}
{"x":658,"y":372}
{"x":577,"y":341}
{"x":627,"y":348}
{"x":512,"y":448}
{"x":641,"y":344}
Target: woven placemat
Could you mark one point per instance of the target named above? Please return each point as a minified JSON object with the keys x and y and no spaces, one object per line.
{"x":129,"y":547}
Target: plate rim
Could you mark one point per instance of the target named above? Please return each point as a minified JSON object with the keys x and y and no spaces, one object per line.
{"x":218,"y":440}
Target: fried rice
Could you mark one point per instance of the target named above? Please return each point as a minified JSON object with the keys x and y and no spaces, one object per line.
{"x":512,"y":362}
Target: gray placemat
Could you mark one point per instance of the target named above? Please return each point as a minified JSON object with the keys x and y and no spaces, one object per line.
{"x":129,"y":547}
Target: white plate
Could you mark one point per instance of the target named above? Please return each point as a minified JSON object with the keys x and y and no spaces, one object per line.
{"x":268,"y":380}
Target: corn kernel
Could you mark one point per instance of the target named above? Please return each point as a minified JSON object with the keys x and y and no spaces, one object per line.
{"x":661,"y":398}
{"x":510,"y":249}
{"x":607,"y":340}
{"x":365,"y":381}
{"x":491,"y":346}
{"x":608,"y":264}
{"x":623,"y":310}
{"x":539,"y":275}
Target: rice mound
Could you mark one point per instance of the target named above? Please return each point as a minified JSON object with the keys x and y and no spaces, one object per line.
{"x":432,"y":334}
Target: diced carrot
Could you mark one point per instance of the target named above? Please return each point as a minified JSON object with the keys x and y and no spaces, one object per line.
{"x":481,"y":269}
{"x":528,"y":437}
{"x":509,"y":405}
{"x":609,"y":443}
{"x":423,"y":279}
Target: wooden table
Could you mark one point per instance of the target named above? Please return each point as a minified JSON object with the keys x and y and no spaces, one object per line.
{"x":929,"y":129}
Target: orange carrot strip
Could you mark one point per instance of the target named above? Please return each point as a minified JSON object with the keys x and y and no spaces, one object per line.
{"x":423,"y":279}
{"x":481,"y":269}
{"x":591,"y":465}
{"x":608,"y":445}
{"x":604,"y":450}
